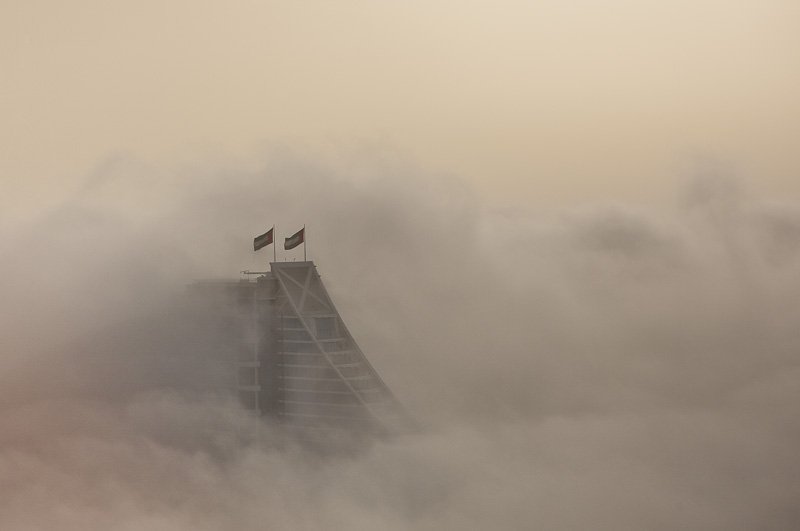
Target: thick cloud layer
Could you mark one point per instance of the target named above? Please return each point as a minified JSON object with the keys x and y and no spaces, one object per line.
{"x":596,"y":368}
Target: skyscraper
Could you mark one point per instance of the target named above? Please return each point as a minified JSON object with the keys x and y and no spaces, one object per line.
{"x":294,"y":358}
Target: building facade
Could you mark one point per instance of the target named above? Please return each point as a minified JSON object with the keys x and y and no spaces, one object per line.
{"x":295,"y":360}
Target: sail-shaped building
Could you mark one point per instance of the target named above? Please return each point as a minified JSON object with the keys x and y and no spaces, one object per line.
{"x":295,"y":360}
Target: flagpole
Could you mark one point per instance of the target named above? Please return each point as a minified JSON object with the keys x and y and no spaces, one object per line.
{"x":305,"y":237}
{"x":274,"y":245}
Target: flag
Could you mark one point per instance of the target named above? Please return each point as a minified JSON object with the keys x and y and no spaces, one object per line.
{"x":295,"y":239}
{"x":263,"y":240}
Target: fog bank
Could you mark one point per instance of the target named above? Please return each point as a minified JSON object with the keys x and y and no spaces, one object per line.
{"x":603,"y":367}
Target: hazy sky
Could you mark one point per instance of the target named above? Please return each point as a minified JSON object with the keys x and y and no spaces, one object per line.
{"x":530,"y":101}
{"x":480,"y":183}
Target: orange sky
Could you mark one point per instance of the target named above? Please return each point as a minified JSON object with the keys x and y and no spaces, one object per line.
{"x":530,"y":102}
